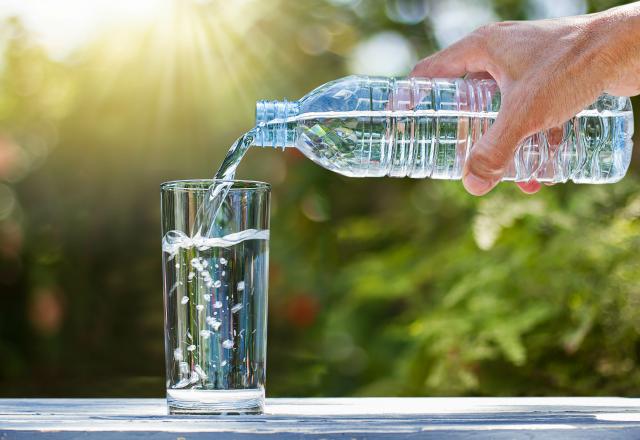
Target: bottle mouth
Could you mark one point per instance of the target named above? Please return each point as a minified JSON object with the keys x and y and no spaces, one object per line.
{"x":271,"y":122}
{"x":275,"y":111}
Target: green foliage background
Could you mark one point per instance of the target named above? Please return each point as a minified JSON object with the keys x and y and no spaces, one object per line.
{"x":378,"y":286}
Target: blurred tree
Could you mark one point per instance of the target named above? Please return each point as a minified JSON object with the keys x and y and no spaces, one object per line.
{"x":390,"y":287}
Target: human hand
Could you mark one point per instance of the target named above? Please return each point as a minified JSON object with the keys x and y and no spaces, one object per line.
{"x":547,"y":71}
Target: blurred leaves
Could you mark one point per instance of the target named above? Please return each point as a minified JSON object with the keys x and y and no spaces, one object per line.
{"x":377,"y":286}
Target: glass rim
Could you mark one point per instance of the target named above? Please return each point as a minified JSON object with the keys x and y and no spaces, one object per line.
{"x":204,"y":184}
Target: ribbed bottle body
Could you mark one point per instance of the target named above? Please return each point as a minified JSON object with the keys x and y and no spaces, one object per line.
{"x":366,"y":127}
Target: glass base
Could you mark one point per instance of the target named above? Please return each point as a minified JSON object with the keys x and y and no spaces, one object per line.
{"x":249,"y":401}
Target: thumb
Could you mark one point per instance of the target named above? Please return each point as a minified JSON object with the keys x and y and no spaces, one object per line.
{"x":491,"y":155}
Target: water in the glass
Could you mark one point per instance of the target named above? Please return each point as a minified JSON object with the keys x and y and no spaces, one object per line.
{"x":216,"y":321}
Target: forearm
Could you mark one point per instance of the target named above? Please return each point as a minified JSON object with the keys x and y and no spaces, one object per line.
{"x":617,"y":41}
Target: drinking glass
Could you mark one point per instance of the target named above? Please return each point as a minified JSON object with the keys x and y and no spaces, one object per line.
{"x":215,"y":298}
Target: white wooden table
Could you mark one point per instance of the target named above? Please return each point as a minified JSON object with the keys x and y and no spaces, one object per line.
{"x":365,"y":418}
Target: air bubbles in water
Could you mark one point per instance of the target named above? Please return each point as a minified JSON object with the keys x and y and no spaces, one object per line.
{"x":200,"y":372}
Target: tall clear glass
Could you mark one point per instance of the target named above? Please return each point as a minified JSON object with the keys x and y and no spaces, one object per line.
{"x":215,"y":298}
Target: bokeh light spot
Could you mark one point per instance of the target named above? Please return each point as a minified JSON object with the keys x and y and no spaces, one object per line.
{"x":538,"y":9}
{"x":7,"y":201}
{"x":314,"y":40}
{"x":315,"y":207}
{"x":46,"y":310}
{"x":454,"y":19}
{"x":386,"y":54}
{"x":407,"y":11}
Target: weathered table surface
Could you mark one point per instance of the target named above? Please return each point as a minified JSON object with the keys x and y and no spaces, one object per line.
{"x":396,"y":418}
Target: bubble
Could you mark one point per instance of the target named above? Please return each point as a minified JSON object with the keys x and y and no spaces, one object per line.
{"x":205,"y":334}
{"x":177,"y":354}
{"x":199,"y":307}
{"x":236,"y":308}
{"x":227,"y":343}
{"x":217,"y":304}
{"x":207,"y":296}
{"x":213,"y":323}
{"x":217,"y":284}
{"x":200,"y":372}
{"x":185,"y":299}
{"x":182,"y":383}
{"x":223,"y":261}
{"x":241,"y":286}
{"x":191,"y":347}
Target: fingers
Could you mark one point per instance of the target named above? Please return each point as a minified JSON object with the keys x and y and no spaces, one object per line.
{"x":479,"y":75}
{"x":467,"y":55}
{"x":529,"y":187}
{"x":490,"y":156}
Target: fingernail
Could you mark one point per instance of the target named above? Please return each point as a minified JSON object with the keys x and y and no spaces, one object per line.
{"x":476,"y":185}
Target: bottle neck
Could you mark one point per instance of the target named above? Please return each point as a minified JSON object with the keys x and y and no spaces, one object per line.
{"x":273,"y":125}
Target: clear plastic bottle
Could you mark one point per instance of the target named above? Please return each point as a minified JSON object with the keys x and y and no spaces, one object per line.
{"x":363,"y":126}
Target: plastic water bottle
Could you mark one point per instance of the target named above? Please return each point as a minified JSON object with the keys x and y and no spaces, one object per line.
{"x":363,"y":126}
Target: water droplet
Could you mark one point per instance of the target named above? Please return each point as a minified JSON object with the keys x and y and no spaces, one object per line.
{"x":241,"y":285}
{"x":223,"y":261}
{"x":177,"y":354}
{"x":217,"y":284}
{"x":217,"y":304}
{"x":236,"y":308}
{"x":223,"y":363}
{"x":199,"y":307}
{"x":191,"y":347}
{"x":185,"y":299}
{"x":207,"y":297}
{"x":227,"y":343}
{"x":205,"y":334}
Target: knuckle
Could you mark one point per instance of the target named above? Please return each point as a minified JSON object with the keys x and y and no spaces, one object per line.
{"x":488,"y":162}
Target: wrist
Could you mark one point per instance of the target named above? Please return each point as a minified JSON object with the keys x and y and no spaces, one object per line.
{"x":615,"y":34}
